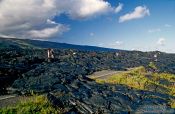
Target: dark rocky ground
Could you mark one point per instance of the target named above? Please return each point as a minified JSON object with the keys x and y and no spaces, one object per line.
{"x":73,"y":91}
{"x":66,"y":85}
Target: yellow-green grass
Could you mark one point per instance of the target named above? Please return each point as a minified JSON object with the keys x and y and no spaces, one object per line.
{"x":172,"y":103}
{"x":33,"y":105}
{"x":138,"y":78}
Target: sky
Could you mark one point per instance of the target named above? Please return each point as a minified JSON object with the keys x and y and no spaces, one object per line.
{"x":145,"y":25}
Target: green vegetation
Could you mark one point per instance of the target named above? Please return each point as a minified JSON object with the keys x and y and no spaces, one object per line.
{"x":25,"y":45}
{"x":33,"y":105}
{"x":138,"y":78}
{"x":172,"y":103}
{"x":152,"y":65}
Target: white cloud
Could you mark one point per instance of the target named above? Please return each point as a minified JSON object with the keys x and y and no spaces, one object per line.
{"x":119,"y":43}
{"x":91,"y":34}
{"x":161,"y":41}
{"x":167,"y":25}
{"x":116,"y":44}
{"x":6,"y":36}
{"x":154,"y":30}
{"x":118,"y":8}
{"x":19,"y":17}
{"x":139,"y":12}
{"x":48,"y":32}
{"x":51,"y":22}
{"x":101,"y":44}
{"x":81,"y":9}
{"x":24,"y":12}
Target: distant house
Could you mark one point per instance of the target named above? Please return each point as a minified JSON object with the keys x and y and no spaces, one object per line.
{"x":50,"y":54}
{"x":117,"y":54}
{"x":155,"y":55}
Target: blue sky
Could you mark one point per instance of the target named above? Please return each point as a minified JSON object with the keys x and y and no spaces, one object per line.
{"x":144,"y":25}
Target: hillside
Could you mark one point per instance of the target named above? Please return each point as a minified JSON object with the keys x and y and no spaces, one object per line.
{"x":65,"y":84}
{"x":37,"y":44}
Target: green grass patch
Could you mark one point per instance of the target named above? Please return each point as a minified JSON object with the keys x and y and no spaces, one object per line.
{"x":33,"y":105}
{"x":139,"y":79}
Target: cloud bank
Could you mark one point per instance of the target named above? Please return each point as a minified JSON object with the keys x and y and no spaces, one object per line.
{"x":154,"y":30}
{"x":34,"y":18}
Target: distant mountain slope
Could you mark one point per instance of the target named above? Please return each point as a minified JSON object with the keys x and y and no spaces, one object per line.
{"x":26,"y":43}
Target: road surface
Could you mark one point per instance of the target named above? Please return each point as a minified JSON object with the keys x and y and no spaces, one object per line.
{"x":103,"y":74}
